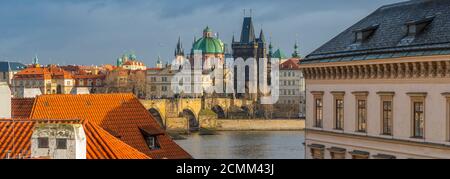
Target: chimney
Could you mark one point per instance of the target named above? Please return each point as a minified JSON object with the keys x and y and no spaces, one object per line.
{"x":5,"y":101}
{"x":58,"y":141}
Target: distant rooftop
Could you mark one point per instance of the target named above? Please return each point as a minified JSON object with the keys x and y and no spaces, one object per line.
{"x":11,"y":66}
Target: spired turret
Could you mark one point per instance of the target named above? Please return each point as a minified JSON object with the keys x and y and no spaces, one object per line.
{"x":270,"y":50}
{"x":119,"y":62}
{"x":159,"y":63}
{"x":296,"y":53}
{"x":36,"y":60}
{"x":179,"y":50}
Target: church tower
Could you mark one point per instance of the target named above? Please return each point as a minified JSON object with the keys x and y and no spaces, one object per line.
{"x":36,"y":62}
{"x":296,"y":54}
{"x":179,"y":52}
{"x":159,"y":63}
{"x":249,"y":46}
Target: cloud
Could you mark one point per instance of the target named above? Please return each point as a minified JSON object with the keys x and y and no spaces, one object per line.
{"x":98,"y":31}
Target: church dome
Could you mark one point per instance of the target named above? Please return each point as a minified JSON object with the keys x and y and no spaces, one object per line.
{"x":209,"y":44}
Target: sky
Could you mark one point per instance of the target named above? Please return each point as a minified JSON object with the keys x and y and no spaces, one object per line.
{"x":95,"y":32}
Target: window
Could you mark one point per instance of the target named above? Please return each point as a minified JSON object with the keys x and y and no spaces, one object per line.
{"x":387,"y":118}
{"x":317,"y":151}
{"x":318,"y":108}
{"x":384,"y":156}
{"x":164,"y":88}
{"x":43,"y":143}
{"x":362,"y":115}
{"x":387,"y":112}
{"x":339,"y":118}
{"x":61,"y":143}
{"x":447,"y":96}
{"x":419,"y":119}
{"x":417,"y":26}
{"x":418,"y":114}
{"x":361,"y":110}
{"x":338,"y":110}
{"x":365,"y":33}
{"x":164,"y":79}
{"x":360,"y":154}
{"x":337,"y":153}
{"x":152,"y":142}
{"x":318,"y":113}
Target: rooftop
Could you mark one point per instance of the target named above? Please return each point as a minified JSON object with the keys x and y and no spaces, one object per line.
{"x":386,"y":33}
{"x":119,"y":114}
{"x":11,"y":66}
{"x":15,"y":138}
{"x":291,"y":64}
{"x":50,"y":72}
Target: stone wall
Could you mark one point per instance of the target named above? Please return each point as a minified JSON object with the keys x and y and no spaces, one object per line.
{"x":260,"y":124}
{"x":208,"y":121}
{"x":212,"y":123}
{"x":180,"y":124}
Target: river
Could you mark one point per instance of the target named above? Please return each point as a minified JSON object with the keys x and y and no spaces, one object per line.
{"x":246,"y":145}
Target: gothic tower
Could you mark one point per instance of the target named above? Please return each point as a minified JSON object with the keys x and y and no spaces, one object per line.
{"x":179,"y":52}
{"x":249,"y":46}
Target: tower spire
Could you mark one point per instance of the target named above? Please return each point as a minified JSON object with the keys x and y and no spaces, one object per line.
{"x":179,"y":51}
{"x":35,"y":60}
{"x":295,"y":54}
{"x":248,"y":31}
{"x":262,"y":38}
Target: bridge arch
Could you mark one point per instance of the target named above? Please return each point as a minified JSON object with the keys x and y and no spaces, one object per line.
{"x":193,"y":122}
{"x":158,"y":117}
{"x":219,"y":111}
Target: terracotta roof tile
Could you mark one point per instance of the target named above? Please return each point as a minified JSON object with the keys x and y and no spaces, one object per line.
{"x":15,"y":138}
{"x":291,"y":64}
{"x":122,"y":113}
{"x":21,"y":107}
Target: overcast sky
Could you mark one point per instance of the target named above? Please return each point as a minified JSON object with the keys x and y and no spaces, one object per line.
{"x":98,"y":31}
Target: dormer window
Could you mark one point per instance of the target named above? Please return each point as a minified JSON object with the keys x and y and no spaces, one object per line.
{"x":152,"y":142}
{"x":414,"y":28}
{"x":150,"y":134}
{"x":418,"y":26}
{"x":363,"y":34}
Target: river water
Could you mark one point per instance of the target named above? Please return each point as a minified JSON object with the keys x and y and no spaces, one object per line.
{"x":246,"y":145}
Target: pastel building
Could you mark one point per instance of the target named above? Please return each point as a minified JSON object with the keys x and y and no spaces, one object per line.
{"x":381,"y":89}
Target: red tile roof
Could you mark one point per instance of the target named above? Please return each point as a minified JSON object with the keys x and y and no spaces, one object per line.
{"x":133,"y":62}
{"x":21,"y":107}
{"x":51,"y":72}
{"x":291,"y":64}
{"x":122,"y":113}
{"x":15,"y":137}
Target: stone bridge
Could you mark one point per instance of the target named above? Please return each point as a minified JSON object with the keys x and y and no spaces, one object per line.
{"x":185,"y":113}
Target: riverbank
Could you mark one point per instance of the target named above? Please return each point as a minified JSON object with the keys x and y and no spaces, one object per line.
{"x":180,"y":125}
{"x":260,"y":125}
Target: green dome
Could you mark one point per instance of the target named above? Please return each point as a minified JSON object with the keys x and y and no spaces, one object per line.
{"x":209,"y":45}
{"x":132,"y":57}
{"x":279,"y":54}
